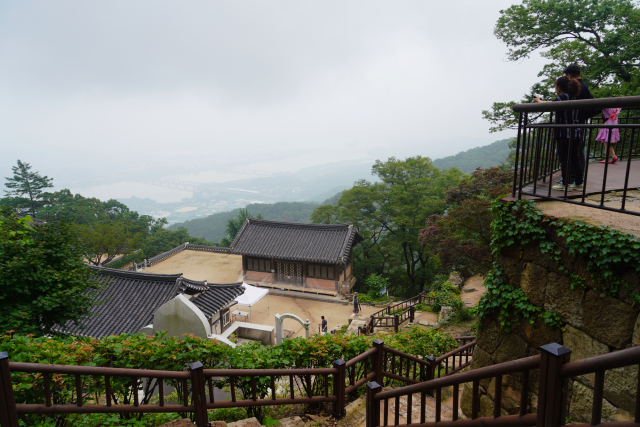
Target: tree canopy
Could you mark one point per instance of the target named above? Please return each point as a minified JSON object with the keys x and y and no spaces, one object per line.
{"x":389,"y":215}
{"x":26,"y":188}
{"x":601,"y":36}
{"x":44,"y":281}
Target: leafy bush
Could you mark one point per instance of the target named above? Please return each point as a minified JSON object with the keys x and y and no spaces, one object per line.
{"x":167,"y":353}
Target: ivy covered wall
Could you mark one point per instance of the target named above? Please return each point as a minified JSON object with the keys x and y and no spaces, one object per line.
{"x":566,"y":282}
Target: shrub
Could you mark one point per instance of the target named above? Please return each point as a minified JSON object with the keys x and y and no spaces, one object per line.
{"x":167,"y":353}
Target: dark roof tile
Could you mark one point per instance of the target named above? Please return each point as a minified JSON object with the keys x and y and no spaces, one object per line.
{"x":325,"y":243}
{"x":129,"y":299}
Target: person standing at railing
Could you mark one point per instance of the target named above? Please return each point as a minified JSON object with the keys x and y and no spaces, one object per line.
{"x":567,"y":89}
{"x":324,"y":324}
{"x":356,"y":304}
{"x":573,"y":72}
{"x":611,"y":115}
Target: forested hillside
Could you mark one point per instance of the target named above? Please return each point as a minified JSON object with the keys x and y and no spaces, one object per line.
{"x":214,"y":226}
{"x":479,"y":157}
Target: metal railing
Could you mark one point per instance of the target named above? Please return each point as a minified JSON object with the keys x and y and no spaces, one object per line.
{"x":536,"y":164}
{"x":554,"y":371}
{"x":195,"y":388}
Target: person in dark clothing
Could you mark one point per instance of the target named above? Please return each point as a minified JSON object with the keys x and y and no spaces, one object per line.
{"x":567,"y":90}
{"x":573,"y":72}
{"x":324,"y":324}
{"x":356,"y":304}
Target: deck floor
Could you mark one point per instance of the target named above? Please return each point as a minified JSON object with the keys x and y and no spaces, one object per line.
{"x":615,"y":180}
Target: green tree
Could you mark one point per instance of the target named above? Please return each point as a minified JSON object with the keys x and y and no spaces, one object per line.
{"x":389,"y":215}
{"x":462,"y":237}
{"x":28,"y":185}
{"x":234,"y":225}
{"x":44,"y":281}
{"x":160,"y":239}
{"x":602,"y":36}
{"x":104,"y":240}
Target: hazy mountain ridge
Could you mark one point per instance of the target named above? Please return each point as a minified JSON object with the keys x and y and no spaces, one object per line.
{"x":479,"y":157}
{"x":214,"y":226}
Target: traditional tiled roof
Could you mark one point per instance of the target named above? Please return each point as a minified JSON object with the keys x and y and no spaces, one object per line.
{"x":129,"y":300}
{"x":216,"y":297}
{"x":325,"y":243}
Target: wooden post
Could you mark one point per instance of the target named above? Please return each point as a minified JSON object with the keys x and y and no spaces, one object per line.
{"x":199,"y":394}
{"x":396,"y":322}
{"x":412,"y":313}
{"x":338,"y":388}
{"x":431,"y":372}
{"x":8,"y":413}
{"x":378,"y":360}
{"x":551,"y":404}
{"x":373,"y":406}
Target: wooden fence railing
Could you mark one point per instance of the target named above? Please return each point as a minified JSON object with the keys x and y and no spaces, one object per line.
{"x":395,"y":315}
{"x":554,"y":371}
{"x":248,"y":387}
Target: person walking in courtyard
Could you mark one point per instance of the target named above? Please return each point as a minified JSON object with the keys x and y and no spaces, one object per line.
{"x":356,"y":304}
{"x":611,"y":116}
{"x":324,"y":324}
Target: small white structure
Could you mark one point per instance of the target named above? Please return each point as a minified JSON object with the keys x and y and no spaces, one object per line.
{"x":279,"y":326}
{"x":180,"y":316}
{"x":250,"y":331}
{"x":251,"y":295}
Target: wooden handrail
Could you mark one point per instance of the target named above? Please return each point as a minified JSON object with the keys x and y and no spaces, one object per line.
{"x":455,"y":352}
{"x":616,"y":359}
{"x":506,"y":368}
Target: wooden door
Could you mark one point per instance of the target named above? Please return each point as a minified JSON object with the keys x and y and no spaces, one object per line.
{"x":289,"y":273}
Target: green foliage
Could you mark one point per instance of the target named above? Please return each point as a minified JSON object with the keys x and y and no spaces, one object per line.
{"x":136,"y":257}
{"x":389,"y":214}
{"x":105,"y":240}
{"x":446,"y":295}
{"x":159,"y":239}
{"x":228,"y":414}
{"x":234,"y":225}
{"x":608,"y":254}
{"x":468,"y":161}
{"x":376,"y":283}
{"x":27,"y":187}
{"x":43,"y":278}
{"x":214,"y":227}
{"x":603,"y":37}
{"x":270,"y":422}
{"x":462,"y":237}
{"x":168,"y":353}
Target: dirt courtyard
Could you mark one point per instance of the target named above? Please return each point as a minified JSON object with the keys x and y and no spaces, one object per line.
{"x":335,"y":314}
{"x":201,"y":265}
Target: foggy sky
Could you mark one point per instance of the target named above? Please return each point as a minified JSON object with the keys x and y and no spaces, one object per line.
{"x":99,"y":88}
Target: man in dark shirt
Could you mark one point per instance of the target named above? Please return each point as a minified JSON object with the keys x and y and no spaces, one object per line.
{"x":573,"y":72}
{"x":324,"y":324}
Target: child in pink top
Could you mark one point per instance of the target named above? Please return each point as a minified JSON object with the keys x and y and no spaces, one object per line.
{"x":611,"y":115}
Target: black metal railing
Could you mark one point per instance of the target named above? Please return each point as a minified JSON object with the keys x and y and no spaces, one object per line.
{"x":537,"y":167}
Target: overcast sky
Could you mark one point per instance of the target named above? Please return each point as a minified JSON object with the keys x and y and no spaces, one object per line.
{"x":98,"y":88}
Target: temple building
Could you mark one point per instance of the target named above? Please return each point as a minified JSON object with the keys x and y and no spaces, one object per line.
{"x":308,"y":257}
{"x":128,"y":301}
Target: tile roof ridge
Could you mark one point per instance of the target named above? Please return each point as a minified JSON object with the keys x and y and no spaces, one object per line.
{"x":139,"y":275}
{"x":284,"y":224}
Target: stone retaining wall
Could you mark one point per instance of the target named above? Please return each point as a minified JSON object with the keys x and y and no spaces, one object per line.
{"x":593,"y":324}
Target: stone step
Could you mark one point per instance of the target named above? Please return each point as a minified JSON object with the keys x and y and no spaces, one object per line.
{"x":249,"y":422}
